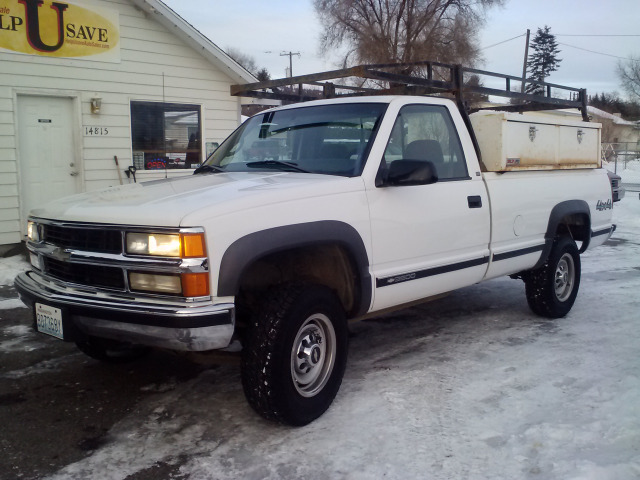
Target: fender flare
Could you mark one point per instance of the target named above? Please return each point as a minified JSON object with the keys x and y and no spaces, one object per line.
{"x":560,"y":211}
{"x":246,"y":250}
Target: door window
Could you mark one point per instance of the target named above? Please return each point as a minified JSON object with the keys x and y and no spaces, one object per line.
{"x":427,"y":133}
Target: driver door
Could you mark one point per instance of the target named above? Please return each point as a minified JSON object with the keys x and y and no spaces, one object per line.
{"x":427,"y":239}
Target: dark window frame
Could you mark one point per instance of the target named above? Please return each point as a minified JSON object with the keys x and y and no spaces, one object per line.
{"x":454,"y":138}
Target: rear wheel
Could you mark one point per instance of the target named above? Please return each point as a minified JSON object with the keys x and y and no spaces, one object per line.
{"x":295,"y":354}
{"x":552,"y":289}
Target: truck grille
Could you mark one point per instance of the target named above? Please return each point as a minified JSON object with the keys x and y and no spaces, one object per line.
{"x":92,"y":256}
{"x":95,"y":275}
{"x":93,"y":240}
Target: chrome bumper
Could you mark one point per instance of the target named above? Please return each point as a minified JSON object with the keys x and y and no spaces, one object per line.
{"x":197,"y":326}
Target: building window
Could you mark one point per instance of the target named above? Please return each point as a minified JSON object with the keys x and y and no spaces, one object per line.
{"x":166,"y":135}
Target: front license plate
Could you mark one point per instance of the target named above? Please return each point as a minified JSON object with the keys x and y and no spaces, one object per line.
{"x":49,"y":320}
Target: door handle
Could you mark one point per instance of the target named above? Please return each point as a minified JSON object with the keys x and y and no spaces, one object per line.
{"x":475,"y":201}
{"x":73,"y":174}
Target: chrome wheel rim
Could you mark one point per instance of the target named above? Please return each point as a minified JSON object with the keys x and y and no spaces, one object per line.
{"x":313,"y":355}
{"x":564,"y":277}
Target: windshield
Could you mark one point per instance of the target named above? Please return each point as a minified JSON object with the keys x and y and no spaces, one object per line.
{"x":327,"y":139}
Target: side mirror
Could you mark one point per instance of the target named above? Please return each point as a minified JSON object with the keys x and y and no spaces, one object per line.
{"x":411,"y":172}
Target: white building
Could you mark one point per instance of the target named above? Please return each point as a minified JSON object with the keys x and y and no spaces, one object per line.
{"x":84,"y":82}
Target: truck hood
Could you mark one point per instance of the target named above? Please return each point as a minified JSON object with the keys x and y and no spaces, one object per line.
{"x":168,"y":202}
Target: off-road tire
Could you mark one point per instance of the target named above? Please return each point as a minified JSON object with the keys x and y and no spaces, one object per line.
{"x":552,"y":289}
{"x":111,"y":351}
{"x":297,"y":327}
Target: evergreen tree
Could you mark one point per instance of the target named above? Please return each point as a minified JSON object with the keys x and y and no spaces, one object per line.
{"x":612,"y":103}
{"x":542,"y":60}
{"x":263,"y":75}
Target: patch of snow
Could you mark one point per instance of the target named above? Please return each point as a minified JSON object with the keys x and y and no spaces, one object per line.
{"x":610,"y":116}
{"x":160,"y":388}
{"x":11,"y":303}
{"x":10,"y":267}
{"x":629,"y":170}
{"x":18,"y":338}
{"x":41,"y":367}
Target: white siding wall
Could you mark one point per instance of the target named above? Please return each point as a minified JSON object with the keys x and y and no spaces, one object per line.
{"x":155,"y":66}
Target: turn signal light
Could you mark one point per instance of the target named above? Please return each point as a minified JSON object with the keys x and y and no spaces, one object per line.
{"x":195,"y":284}
{"x":192,"y":245}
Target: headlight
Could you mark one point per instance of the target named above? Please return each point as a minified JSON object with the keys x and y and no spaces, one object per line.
{"x":187,"y":284}
{"x":166,"y":245}
{"x":153,"y":244}
{"x":32,"y":231}
{"x":148,"y":282}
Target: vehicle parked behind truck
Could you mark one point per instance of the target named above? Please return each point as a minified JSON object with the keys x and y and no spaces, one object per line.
{"x":314,"y":214}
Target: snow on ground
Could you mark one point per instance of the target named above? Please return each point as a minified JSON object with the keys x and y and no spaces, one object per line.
{"x":10,"y":267}
{"x":472,"y":386}
{"x":628,"y":169}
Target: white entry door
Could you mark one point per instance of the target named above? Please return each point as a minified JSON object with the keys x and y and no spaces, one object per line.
{"x":48,"y":156}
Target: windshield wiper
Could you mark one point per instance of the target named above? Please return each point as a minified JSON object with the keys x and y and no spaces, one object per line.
{"x":208,"y":168}
{"x":278,"y":163}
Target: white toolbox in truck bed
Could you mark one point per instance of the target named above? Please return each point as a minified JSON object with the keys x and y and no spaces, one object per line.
{"x":512,"y":141}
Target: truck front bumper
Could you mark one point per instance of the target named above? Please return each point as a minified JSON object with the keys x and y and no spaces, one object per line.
{"x":186,"y":327}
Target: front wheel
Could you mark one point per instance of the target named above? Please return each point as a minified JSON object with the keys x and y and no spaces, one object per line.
{"x":295,"y":354}
{"x":552,"y":289}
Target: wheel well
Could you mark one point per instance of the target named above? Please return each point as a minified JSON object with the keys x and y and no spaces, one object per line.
{"x":328,"y":264}
{"x":577,"y":226}
{"x":570,"y":218}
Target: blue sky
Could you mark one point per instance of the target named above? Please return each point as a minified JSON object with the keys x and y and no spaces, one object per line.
{"x":266,"y":29}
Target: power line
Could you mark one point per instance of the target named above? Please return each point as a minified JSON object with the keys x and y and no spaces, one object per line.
{"x":593,"y":51}
{"x":504,"y":41}
{"x":573,"y":46}
{"x":593,"y":35}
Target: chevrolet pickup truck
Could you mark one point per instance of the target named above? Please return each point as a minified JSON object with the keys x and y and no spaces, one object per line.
{"x":311,"y":215}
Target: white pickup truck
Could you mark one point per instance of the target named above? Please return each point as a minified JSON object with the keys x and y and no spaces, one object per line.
{"x":308,"y":216}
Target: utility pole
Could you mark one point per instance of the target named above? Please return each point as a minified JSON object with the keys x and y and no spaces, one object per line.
{"x":524,"y":66}
{"x":290,"y":55}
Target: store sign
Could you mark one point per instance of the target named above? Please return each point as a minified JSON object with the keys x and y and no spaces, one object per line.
{"x":59,"y":29}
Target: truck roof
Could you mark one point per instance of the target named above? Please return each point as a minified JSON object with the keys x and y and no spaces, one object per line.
{"x":359,"y":99}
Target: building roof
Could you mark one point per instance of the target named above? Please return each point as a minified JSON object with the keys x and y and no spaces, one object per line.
{"x":616,"y":118}
{"x":187,"y":32}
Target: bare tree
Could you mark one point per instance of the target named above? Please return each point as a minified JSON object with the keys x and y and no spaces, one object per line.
{"x":629,"y":74}
{"x":403,"y":31}
{"x":245,"y":60}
